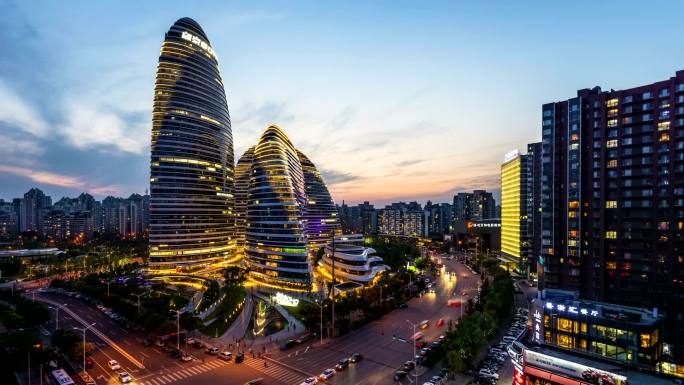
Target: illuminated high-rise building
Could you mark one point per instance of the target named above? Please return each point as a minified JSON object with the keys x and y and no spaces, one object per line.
{"x":275,"y":237}
{"x":320,"y":216}
{"x":191,"y":181}
{"x":243,"y":171}
{"x":516,"y":210}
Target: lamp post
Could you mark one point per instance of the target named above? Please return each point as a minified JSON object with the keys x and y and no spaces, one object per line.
{"x":178,"y":328}
{"x":415,"y":370}
{"x":320,"y":306}
{"x":84,"y":343}
{"x":332,"y":334}
{"x":138,"y":295}
{"x":57,"y":315}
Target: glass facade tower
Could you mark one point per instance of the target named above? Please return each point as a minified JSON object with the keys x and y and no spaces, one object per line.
{"x":191,"y":181}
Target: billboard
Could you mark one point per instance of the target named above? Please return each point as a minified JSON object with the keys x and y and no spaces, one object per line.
{"x":572,"y":369}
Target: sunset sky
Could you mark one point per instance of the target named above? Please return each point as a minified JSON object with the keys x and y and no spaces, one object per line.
{"x":400,"y":100}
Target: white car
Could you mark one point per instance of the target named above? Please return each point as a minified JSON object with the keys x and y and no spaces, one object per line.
{"x":113,"y":365}
{"x":310,"y":381}
{"x":327,"y":373}
{"x":124,"y":377}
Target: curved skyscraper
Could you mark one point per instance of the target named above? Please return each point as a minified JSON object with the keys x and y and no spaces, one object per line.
{"x":243,"y":172}
{"x":320,"y":218}
{"x":191,"y":181}
{"x":276,"y":246}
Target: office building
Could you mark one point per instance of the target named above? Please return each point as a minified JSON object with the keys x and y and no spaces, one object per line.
{"x":191,"y":173}
{"x":516,"y":211}
{"x":320,"y":217}
{"x":534,"y":153}
{"x":440,"y":219}
{"x":354,"y":262}
{"x":243,"y":171}
{"x":362,"y":218}
{"x":612,"y":199}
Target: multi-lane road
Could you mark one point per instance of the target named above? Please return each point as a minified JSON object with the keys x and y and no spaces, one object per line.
{"x":383,"y":354}
{"x":149,"y":365}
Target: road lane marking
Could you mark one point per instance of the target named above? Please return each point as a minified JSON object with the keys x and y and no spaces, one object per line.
{"x":145,"y":355}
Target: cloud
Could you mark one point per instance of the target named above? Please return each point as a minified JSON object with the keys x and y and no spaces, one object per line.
{"x":60,"y":180}
{"x":16,"y":112}
{"x":411,"y":162}
{"x":91,"y":126}
{"x":336,"y":177}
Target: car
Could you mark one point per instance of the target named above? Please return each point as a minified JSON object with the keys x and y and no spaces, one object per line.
{"x":442,"y":338}
{"x":440,"y":322}
{"x":424,"y":351}
{"x":113,"y":365}
{"x":399,"y":374}
{"x":212,"y":351}
{"x":403,"y":305}
{"x":239,"y":357}
{"x":225,"y":356}
{"x":342,"y":364}
{"x":89,"y":362}
{"x":437,"y":380}
{"x":168,"y":349}
{"x":287,"y":344}
{"x":424,"y":324}
{"x":356,"y":357}
{"x":256,"y":381}
{"x":409,"y":365}
{"x":148,"y":342}
{"x":197,"y":345}
{"x":125,"y":378}
{"x":310,"y":381}
{"x":190,"y":341}
{"x":186,"y":358}
{"x":159,"y":343}
{"x":327,"y":373}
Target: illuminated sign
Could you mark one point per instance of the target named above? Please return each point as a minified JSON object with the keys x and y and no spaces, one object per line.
{"x":285,"y":300}
{"x":511,"y":155}
{"x":518,"y":375}
{"x":572,"y":309}
{"x":575,"y":370}
{"x":471,"y":225}
{"x":538,"y":332}
{"x":199,"y":42}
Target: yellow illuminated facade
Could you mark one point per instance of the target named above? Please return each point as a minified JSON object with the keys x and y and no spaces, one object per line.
{"x":511,"y":242}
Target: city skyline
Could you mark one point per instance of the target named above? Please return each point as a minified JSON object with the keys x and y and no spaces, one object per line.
{"x":410,"y":129}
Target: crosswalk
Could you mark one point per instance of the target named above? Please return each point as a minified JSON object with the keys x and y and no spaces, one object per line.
{"x":169,"y":377}
{"x":280,"y":373}
{"x":276,"y":371}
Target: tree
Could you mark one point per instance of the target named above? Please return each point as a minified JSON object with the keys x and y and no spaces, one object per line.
{"x":189,"y":322}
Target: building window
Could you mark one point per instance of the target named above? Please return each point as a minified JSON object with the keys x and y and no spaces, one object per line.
{"x":612,"y":102}
{"x":611,"y":143}
{"x":611,"y":234}
{"x":662,"y":126}
{"x":565,"y":341}
{"x":612,"y":123}
{"x":611,"y":204}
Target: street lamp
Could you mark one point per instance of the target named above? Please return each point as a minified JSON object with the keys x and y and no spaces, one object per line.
{"x":138,"y":295}
{"x":57,"y":315}
{"x":84,"y":343}
{"x":320,"y":306}
{"x":178,"y":328}
{"x":413,"y":341}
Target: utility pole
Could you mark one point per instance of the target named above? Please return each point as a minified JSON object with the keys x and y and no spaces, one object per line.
{"x":415,"y":369}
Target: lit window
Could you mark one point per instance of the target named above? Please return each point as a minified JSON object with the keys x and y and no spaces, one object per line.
{"x":611,"y":265}
{"x":662,"y":126}
{"x":664,"y":137}
{"x":611,"y":143}
{"x":611,"y":204}
{"x":612,"y":123}
{"x":612,"y":163}
{"x":611,"y":234}
{"x":612,"y":102}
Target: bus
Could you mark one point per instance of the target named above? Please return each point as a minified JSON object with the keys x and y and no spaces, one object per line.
{"x":61,"y":377}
